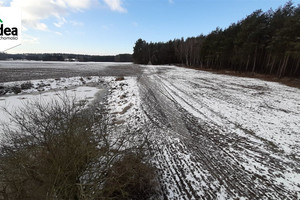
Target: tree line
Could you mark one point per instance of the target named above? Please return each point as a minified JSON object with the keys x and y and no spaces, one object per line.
{"x":263,"y":42}
{"x":67,"y":57}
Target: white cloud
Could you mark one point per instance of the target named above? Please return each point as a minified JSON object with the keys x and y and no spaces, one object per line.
{"x":115,"y":5}
{"x":41,"y":26}
{"x":171,"y":1}
{"x":76,"y":23}
{"x":27,"y":39}
{"x":34,"y":11}
{"x":24,"y":28}
{"x":58,"y":33}
{"x":61,"y":21}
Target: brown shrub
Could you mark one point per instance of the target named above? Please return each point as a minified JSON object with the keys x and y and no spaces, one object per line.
{"x":130,"y":178}
{"x":27,"y":85}
{"x":48,"y":153}
{"x":61,"y":151}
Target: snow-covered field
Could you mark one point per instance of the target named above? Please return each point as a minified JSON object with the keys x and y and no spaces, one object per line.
{"x":222,"y":137}
{"x":211,"y":136}
{"x":58,"y":65}
{"x":33,"y":70}
{"x":43,"y":85}
{"x":46,"y":91}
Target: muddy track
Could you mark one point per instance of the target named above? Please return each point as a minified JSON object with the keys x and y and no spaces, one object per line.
{"x":200,"y":160}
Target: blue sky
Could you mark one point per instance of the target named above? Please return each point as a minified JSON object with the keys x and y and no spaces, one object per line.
{"x":109,"y":27}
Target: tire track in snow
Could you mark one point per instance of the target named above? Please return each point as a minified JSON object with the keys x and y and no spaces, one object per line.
{"x":209,"y":153}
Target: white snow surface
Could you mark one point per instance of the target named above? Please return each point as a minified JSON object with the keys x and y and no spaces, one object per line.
{"x":259,"y":113}
{"x":252,"y":122}
{"x":59,"y":65}
{"x":47,"y":91}
{"x":249,"y":124}
{"x":123,"y":104}
{"x":267,"y":109}
{"x":43,"y":85}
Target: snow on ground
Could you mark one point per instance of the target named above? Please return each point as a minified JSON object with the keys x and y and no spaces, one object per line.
{"x":123,"y":106}
{"x":79,"y":88}
{"x":49,"y":84}
{"x":212,"y":136}
{"x":240,"y":137}
{"x":59,"y":65}
{"x":268,"y":110}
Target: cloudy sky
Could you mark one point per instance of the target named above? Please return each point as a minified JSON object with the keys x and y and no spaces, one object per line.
{"x":107,"y":27}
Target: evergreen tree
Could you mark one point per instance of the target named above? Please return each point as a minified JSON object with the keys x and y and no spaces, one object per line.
{"x":263,"y":42}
